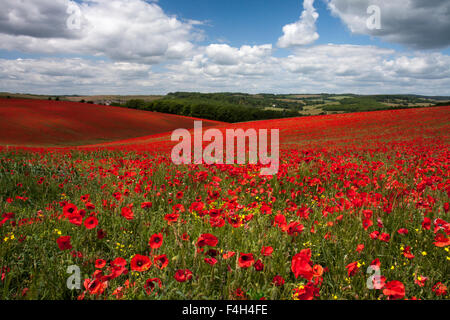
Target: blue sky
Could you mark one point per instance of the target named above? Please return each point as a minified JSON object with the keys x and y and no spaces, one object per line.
{"x":257,"y":22}
{"x":301,"y":46}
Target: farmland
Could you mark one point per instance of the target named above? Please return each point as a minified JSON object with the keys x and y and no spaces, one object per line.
{"x":358,"y":210}
{"x":25,"y":122}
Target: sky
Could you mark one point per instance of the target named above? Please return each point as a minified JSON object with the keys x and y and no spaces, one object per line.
{"x":254,"y":46}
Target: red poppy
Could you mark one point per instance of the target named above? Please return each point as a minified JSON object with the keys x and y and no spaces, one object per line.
{"x":161,"y":261}
{"x":91,"y":222}
{"x":352,"y":268}
{"x":266,"y":251}
{"x":119,"y":262}
{"x":407,"y":252}
{"x":146,"y":205}
{"x":185,"y":237}
{"x":150,"y":285}
{"x":384,"y":237}
{"x":359,"y":248}
{"x":207,"y":239}
{"x":101,"y":234}
{"x":301,"y":264}
{"x":171,"y":217}
{"x":440,"y":289}
{"x":210,"y":261}
{"x":307,"y":292}
{"x":394,"y":290}
{"x":69,"y":209}
{"x":64,"y":243}
{"x":156,"y":241}
{"x":278,"y":281}
{"x":228,"y":255}
{"x":426,"y":223}
{"x":246,"y":260}
{"x":100,"y":263}
{"x":127,"y":213}
{"x":140,"y":263}
{"x":183,"y":275}
{"x":259,"y":266}
{"x":75,"y":218}
{"x":441,"y":241}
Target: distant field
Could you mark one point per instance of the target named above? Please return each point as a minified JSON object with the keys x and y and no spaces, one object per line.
{"x":58,"y":123}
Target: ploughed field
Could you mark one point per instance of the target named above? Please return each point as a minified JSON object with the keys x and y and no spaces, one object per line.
{"x":359,"y":209}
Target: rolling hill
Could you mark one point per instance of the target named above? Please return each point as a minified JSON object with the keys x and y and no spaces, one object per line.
{"x":26,"y":122}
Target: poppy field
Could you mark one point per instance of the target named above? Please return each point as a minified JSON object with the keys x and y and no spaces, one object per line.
{"x":359,"y":210}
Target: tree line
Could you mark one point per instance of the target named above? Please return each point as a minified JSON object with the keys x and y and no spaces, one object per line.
{"x":209,"y":109}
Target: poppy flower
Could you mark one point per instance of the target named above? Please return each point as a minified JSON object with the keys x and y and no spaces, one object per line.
{"x":385,"y":237}
{"x":185,"y":237}
{"x":91,"y":223}
{"x":420,"y":280}
{"x":127,"y":213}
{"x":266,"y":251}
{"x":278,"y":281}
{"x":140,"y":263}
{"x":407,"y":252}
{"x":69,"y":209}
{"x":359,"y":248}
{"x":210,"y":261}
{"x":146,"y":205}
{"x":259,"y":266}
{"x":183,"y":275}
{"x":426,"y":223}
{"x":64,"y":243}
{"x":317,"y":270}
{"x":367,"y":223}
{"x":100,"y":263}
{"x":441,"y":241}
{"x":96,"y":286}
{"x":76,"y":219}
{"x":156,"y":241}
{"x":352,"y":268}
{"x":394,"y":290}
{"x":307,"y":292}
{"x":171,"y":218}
{"x":228,"y":255}
{"x":246,"y":260}
{"x":374,"y":235}
{"x":301,"y":264}
{"x":294,"y":228}
{"x":440,"y":289}
{"x":101,"y":234}
{"x":207,"y":239}
{"x":150,"y":285}
{"x":119,"y":262}
{"x":161,"y":261}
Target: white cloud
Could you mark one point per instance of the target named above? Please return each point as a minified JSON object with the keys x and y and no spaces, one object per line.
{"x":419,"y":24}
{"x":122,"y":30}
{"x":322,"y":68}
{"x":302,"y":32}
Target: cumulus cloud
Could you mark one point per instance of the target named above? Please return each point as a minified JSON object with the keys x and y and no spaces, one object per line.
{"x":417,"y":24}
{"x":322,"y":68}
{"x":122,"y":30}
{"x":302,"y":32}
